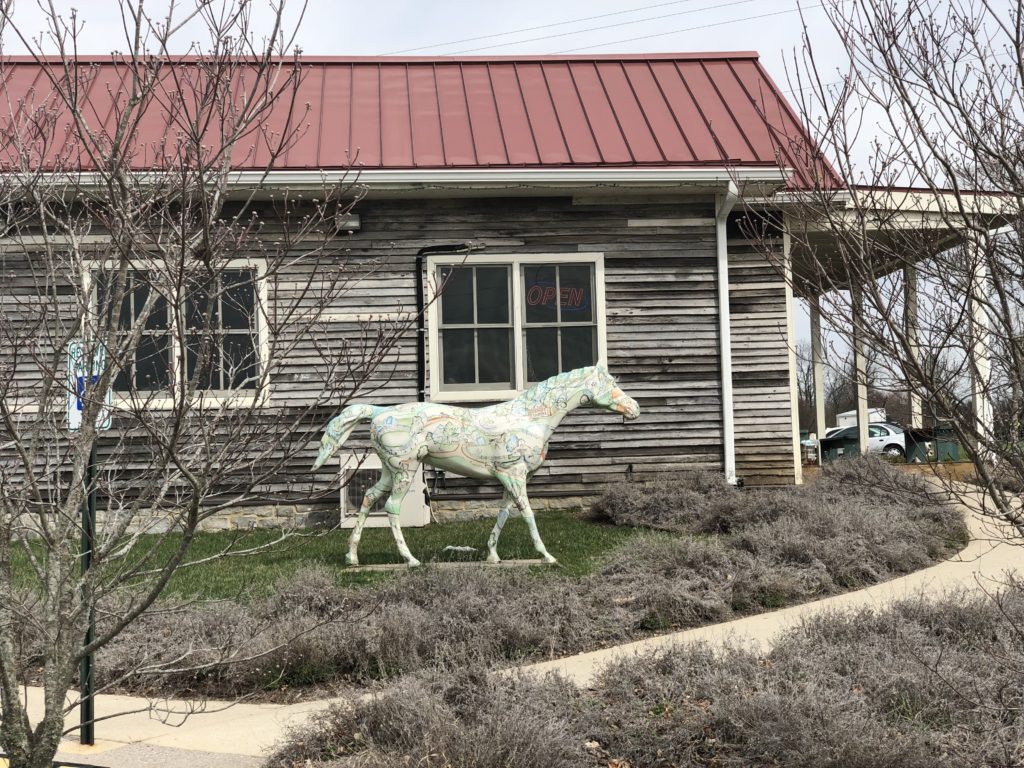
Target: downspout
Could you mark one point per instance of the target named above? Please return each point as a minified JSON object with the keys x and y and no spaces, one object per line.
{"x":725,"y":203}
{"x":421,"y":326}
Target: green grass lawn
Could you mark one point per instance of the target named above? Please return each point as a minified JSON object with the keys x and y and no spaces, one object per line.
{"x":577,"y":544}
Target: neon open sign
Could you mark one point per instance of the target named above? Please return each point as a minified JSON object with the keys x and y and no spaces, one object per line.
{"x":569,"y":299}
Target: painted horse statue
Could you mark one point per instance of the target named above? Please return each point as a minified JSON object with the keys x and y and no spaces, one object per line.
{"x":506,"y":442}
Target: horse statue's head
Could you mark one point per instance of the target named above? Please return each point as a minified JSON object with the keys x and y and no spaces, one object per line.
{"x":607,"y":395}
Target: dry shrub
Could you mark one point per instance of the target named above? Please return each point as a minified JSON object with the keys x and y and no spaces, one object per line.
{"x":450,"y":718}
{"x":861,"y":523}
{"x":920,"y":685}
{"x":361,"y":635}
{"x":771,"y":549}
{"x":664,"y":503}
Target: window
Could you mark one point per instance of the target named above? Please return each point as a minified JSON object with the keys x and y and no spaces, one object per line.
{"x":476,"y":327}
{"x":502,"y":323}
{"x":874,"y":431}
{"x":216,"y":323}
{"x":561,"y":329}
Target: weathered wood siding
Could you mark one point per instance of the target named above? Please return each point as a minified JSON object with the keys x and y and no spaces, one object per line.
{"x":760,"y":360}
{"x":660,"y":305}
{"x":662,"y":335}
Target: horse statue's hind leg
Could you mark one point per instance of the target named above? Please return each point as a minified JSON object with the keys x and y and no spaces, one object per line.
{"x":402,"y":477}
{"x":371,"y":497}
{"x":515,"y":485}
{"x":492,"y":541}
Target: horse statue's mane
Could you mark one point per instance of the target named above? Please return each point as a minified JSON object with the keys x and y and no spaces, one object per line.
{"x":540,"y":390}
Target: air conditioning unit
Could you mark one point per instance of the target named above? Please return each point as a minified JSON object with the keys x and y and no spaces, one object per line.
{"x":359,"y":472}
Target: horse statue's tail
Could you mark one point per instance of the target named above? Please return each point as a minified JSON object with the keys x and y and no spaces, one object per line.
{"x":340,"y":427}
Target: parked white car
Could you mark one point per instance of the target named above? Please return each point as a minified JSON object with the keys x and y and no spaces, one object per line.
{"x":883,"y":437}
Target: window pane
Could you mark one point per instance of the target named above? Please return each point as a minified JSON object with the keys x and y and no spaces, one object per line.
{"x":540,"y":294}
{"x":198,"y":304}
{"x":210,"y":378}
{"x":575,"y":293}
{"x":140,"y":292}
{"x":456,"y":286}
{"x":579,"y":346}
{"x":457,"y":363}
{"x":492,"y":295}
{"x":123,"y":377}
{"x":541,"y":353}
{"x":239,"y":358}
{"x":157,"y":320}
{"x":495,"y":355}
{"x":152,"y":362}
{"x":104,"y":289}
{"x":238,"y":301}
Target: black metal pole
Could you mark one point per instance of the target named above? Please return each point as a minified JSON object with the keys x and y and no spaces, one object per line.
{"x":86,"y":706}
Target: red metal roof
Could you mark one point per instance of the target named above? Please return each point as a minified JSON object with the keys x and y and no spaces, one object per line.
{"x":670,"y":110}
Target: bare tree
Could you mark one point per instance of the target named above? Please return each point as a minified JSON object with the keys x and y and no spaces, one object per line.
{"x":935,"y":89}
{"x":189,"y":295}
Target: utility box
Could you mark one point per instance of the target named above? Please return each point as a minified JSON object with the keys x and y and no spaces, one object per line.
{"x":358,"y":474}
{"x":835,"y":448}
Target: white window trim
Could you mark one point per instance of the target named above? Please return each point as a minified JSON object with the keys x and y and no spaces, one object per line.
{"x":515,"y":260}
{"x":207,"y":398}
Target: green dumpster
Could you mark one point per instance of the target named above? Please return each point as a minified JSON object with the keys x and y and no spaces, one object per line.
{"x":842,"y":445}
{"x":917,"y":445}
{"x":947,"y":446}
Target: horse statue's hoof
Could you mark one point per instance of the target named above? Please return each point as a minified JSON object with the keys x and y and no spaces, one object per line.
{"x":351,"y":560}
{"x":414,"y":563}
{"x":550,"y":560}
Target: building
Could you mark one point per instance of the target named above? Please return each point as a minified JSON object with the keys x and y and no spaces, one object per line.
{"x":610,"y":200}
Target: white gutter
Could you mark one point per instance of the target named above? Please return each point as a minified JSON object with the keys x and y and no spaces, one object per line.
{"x":726,"y":202}
{"x":470,"y":176}
{"x":682,"y":176}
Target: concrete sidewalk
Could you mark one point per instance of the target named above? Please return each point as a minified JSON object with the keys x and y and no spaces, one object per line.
{"x":219,"y":735}
{"x":179,"y":734}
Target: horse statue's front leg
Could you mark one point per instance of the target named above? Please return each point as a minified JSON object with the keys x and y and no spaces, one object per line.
{"x":515,"y":486}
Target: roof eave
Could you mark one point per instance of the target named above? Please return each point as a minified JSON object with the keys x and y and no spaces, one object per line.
{"x":751,"y":181}
{"x":497,"y":181}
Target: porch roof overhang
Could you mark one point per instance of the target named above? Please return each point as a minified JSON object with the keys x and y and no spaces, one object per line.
{"x":899,"y":225}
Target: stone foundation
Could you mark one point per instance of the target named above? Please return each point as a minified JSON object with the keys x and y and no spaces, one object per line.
{"x":448,"y":510}
{"x":308,"y":516}
{"x":245,"y":518}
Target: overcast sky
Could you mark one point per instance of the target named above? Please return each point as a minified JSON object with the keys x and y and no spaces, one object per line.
{"x":478,"y":27}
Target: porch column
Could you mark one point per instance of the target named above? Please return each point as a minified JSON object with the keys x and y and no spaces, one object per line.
{"x":860,"y":364}
{"x":981,"y":363}
{"x":794,"y":399}
{"x":910,"y":322}
{"x":818,"y":366}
